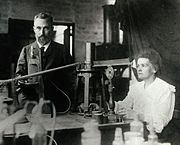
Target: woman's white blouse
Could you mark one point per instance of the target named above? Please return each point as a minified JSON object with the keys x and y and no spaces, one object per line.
{"x":156,"y":102}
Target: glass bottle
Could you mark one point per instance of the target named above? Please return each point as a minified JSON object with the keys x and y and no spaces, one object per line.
{"x":118,"y":139}
{"x":152,"y":137}
{"x":91,"y":134}
{"x":38,"y":133}
{"x":137,"y":126}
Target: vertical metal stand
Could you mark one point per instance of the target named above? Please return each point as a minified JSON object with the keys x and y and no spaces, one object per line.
{"x":87,"y":75}
{"x":110,"y":74}
{"x":86,"y":91}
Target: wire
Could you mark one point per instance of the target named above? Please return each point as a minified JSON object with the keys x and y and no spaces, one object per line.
{"x":64,"y":95}
{"x":54,"y":123}
{"x":52,"y":139}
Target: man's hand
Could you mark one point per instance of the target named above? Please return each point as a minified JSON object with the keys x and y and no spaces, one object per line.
{"x":22,"y":82}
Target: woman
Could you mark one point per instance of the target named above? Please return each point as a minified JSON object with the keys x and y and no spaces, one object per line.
{"x":151,"y":98}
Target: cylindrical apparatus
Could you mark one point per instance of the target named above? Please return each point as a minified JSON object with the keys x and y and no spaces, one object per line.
{"x":107,"y":24}
{"x":88,"y":52}
{"x":111,"y":33}
{"x":89,"y":49}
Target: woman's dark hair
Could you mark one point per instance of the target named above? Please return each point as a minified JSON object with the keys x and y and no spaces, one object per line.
{"x":153,"y":56}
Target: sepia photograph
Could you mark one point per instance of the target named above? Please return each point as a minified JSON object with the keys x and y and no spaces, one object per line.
{"x":89,"y":72}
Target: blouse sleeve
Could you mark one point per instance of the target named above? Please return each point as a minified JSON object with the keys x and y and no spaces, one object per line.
{"x":127,"y":103}
{"x":163,"y":109}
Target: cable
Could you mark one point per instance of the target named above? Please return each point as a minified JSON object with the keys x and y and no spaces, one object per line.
{"x":64,"y":95}
{"x":54,"y":123}
{"x":52,"y":139}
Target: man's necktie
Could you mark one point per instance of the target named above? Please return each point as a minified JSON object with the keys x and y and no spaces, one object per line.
{"x":42,"y":57}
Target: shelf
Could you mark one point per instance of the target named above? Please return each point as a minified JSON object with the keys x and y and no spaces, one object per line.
{"x":112,"y":62}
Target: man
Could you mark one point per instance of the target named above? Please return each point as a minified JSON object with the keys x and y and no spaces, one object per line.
{"x":44,"y":54}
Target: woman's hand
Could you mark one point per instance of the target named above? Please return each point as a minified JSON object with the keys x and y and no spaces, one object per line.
{"x":126,"y":112}
{"x":119,"y":109}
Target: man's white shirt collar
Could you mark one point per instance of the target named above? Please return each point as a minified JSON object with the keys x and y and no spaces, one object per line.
{"x":45,"y":46}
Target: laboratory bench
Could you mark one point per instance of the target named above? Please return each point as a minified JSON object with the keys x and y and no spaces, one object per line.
{"x":68,"y":129}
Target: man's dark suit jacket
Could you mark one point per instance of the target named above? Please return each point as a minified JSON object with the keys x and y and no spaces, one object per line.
{"x":54,"y":82}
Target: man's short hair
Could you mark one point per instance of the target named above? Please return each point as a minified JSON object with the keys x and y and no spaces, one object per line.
{"x":44,"y":15}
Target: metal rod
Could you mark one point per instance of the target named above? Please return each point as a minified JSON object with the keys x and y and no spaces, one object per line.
{"x":38,"y":73}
